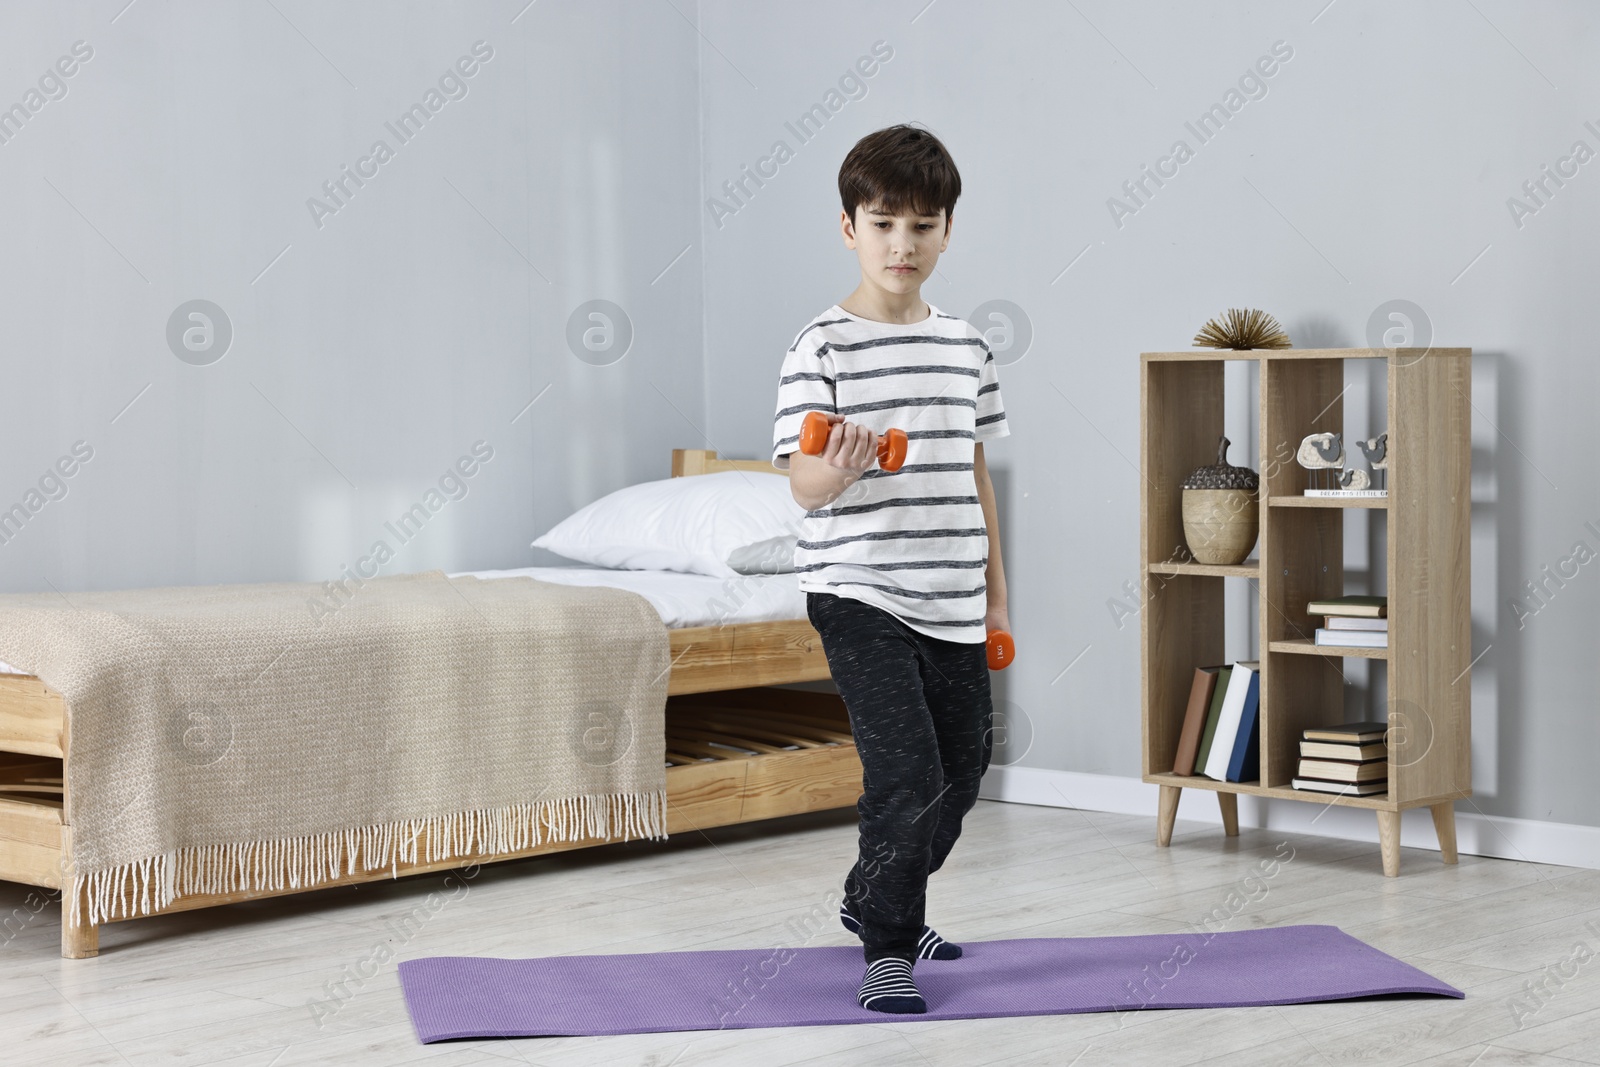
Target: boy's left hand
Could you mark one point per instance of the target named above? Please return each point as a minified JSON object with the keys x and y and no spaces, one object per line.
{"x":996,"y":619}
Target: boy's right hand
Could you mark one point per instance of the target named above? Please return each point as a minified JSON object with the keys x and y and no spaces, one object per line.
{"x":851,"y":446}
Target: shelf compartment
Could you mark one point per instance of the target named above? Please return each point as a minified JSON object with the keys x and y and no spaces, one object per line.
{"x":1305,"y":547}
{"x":1190,"y":397}
{"x":1308,"y":647}
{"x":1297,"y":693}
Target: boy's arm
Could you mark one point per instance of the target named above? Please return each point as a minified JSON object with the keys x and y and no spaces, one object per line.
{"x":814,"y":483}
{"x":997,"y":616}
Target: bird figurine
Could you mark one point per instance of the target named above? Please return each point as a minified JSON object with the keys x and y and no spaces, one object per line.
{"x":1376,"y":450}
{"x":1320,"y":452}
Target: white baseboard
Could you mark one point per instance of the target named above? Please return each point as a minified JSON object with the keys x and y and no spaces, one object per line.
{"x":1564,"y":844}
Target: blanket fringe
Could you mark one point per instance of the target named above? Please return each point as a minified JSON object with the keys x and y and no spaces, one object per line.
{"x":149,"y":885}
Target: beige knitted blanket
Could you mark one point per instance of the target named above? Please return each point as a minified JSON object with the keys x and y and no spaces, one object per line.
{"x":280,"y":735}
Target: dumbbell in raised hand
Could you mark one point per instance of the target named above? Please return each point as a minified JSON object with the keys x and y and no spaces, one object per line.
{"x":814,"y":438}
{"x":1002,"y":650}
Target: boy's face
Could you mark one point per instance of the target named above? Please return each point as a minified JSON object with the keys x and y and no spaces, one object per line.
{"x":897,"y":252}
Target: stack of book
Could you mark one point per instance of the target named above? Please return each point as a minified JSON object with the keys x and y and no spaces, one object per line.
{"x":1353,"y":621}
{"x":1350,"y":759}
{"x":1221,"y":734}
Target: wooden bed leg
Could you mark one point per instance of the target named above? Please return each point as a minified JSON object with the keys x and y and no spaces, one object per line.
{"x":1167,"y":814}
{"x":82,"y":940}
{"x":78,"y":942}
{"x":1229,"y":803}
{"x":1444,"y":824}
{"x":1389,"y":842}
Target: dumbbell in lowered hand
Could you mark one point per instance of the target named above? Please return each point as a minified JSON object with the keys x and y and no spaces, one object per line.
{"x":814,"y":438}
{"x":1002,"y":650}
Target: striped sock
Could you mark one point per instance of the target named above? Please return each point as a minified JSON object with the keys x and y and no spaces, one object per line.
{"x":888,"y":987}
{"x":930,"y":946}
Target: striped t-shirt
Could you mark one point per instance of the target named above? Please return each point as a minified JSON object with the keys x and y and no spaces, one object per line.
{"x":914,"y":542}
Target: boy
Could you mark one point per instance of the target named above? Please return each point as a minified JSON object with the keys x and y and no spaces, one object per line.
{"x":902,"y":570}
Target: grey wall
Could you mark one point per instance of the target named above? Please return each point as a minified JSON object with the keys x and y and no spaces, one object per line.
{"x":425,"y":314}
{"x":1377,"y":166}
{"x":420,"y":318}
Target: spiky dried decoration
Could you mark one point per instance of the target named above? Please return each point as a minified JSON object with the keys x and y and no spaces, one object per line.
{"x":1243,"y":330}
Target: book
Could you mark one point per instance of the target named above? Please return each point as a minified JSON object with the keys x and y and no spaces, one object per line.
{"x":1194,"y":719}
{"x":1216,"y":765}
{"x":1214,"y":712}
{"x":1339,"y":771}
{"x":1358,"y":733}
{"x":1351,"y":622}
{"x":1366,"y":607}
{"x":1353,"y":638}
{"x":1245,"y":763}
{"x":1336,"y":750}
{"x":1352,"y":789}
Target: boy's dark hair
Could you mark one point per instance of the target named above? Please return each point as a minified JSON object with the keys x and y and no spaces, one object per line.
{"x":900,"y":170}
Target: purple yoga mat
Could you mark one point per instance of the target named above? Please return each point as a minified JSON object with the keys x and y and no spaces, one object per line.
{"x":641,"y":993}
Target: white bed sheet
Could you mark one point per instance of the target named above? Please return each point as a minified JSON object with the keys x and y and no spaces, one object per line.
{"x":680,"y":599}
{"x":685,"y":599}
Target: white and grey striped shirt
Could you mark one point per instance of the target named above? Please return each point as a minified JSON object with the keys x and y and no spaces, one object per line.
{"x":914,"y":542}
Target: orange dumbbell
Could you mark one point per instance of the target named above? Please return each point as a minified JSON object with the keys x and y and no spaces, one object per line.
{"x":814,"y":437}
{"x":1002,"y":650}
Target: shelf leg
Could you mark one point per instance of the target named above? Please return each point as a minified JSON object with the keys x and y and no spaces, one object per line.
{"x":1167,"y":814}
{"x":1444,"y":824}
{"x":1389,"y":842}
{"x":1229,"y":803}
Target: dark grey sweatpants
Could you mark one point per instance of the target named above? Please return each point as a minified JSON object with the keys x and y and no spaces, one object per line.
{"x":921,"y":715}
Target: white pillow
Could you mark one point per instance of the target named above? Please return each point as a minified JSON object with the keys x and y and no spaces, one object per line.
{"x":775,"y":555}
{"x":693,"y":524}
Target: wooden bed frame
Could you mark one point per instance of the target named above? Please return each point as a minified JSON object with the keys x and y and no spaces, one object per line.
{"x":737,"y":750}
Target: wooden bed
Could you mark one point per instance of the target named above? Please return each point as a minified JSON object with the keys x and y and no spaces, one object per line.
{"x":737,"y":749}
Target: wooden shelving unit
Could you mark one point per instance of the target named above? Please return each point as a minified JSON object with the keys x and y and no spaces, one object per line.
{"x":1300,"y":558}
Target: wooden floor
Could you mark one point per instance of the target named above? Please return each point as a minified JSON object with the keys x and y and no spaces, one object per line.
{"x":301,"y":980}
